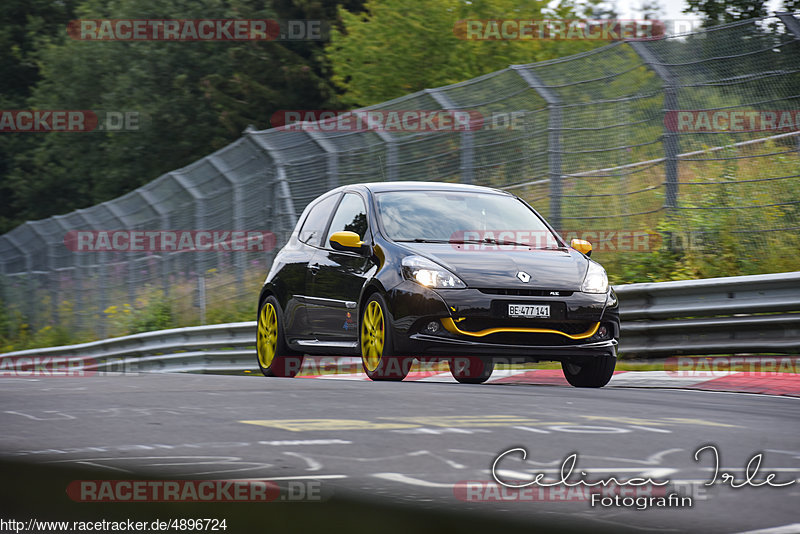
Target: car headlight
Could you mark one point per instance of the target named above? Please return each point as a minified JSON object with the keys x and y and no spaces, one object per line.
{"x":430,"y":274}
{"x":596,"y":280}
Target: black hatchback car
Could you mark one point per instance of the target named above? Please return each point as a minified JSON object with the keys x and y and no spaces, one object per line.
{"x":394,"y":271}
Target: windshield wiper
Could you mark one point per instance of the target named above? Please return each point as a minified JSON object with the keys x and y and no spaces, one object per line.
{"x":485,"y":240}
{"x":422,"y":240}
{"x":448,"y":241}
{"x":494,"y":241}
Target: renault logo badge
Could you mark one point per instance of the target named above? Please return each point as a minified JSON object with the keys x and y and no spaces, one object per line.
{"x":525,"y":277}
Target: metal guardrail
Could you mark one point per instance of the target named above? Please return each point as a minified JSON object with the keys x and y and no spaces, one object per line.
{"x":739,"y":314}
{"x":211,"y":348}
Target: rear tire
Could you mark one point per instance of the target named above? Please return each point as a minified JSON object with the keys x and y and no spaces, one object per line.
{"x":274,"y":357}
{"x":470,"y":369}
{"x":591,"y":373}
{"x":377,"y":345}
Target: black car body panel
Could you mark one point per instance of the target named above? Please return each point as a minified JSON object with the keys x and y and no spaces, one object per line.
{"x":549,"y":269}
{"x":322,"y":293}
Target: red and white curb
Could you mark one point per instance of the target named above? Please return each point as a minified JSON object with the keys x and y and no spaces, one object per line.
{"x":767,"y":383}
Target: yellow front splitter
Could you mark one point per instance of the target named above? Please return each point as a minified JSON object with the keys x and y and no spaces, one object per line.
{"x":451,"y":327}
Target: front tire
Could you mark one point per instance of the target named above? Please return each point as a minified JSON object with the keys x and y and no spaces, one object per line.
{"x":274,"y":357}
{"x":471,"y":370}
{"x":377,"y":345}
{"x":591,"y":373}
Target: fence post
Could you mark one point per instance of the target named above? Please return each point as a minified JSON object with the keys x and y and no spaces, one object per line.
{"x":4,"y":300}
{"x":99,"y":266}
{"x":130,"y":263}
{"x":554,"y":119}
{"x":199,"y":215}
{"x":163,"y":220}
{"x":73,"y":327}
{"x":49,"y":273}
{"x":284,"y":197}
{"x":467,"y":164}
{"x":282,"y":193}
{"x":237,"y":196}
{"x":388,"y":168}
{"x":671,"y":141}
{"x":31,"y":294}
{"x":331,"y":155}
{"x":791,"y":23}
{"x":201,"y":296}
{"x":5,"y":294}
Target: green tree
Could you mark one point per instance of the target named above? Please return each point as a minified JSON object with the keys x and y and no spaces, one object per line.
{"x":23,"y":24}
{"x":397,"y":47}
{"x":723,"y":11}
{"x":194,"y":97}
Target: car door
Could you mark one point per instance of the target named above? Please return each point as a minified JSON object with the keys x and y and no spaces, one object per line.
{"x":294,"y":271}
{"x":338,"y":276}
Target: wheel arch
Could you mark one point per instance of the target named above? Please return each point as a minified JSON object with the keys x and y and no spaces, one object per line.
{"x":275,"y":290}
{"x":266,"y":291}
{"x":372,"y":287}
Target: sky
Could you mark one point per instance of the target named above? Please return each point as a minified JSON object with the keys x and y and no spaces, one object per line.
{"x":672,"y":9}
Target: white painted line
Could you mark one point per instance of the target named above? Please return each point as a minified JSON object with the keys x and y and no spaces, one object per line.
{"x":655,"y":379}
{"x":505,"y":373}
{"x":291,"y":442}
{"x":530,"y":429}
{"x":351,"y":376}
{"x":794,"y":528}
{"x":313,"y":465}
{"x":112,"y":468}
{"x":18,"y":379}
{"x":404,"y":479}
{"x":445,"y":377}
{"x":302,"y":477}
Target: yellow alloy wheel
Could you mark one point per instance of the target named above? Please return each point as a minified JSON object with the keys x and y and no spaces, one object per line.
{"x":372,"y":336}
{"x":267,"y":343}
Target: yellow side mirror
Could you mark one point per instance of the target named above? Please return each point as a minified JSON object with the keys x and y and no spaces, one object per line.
{"x":346,"y":241}
{"x":581,"y":245}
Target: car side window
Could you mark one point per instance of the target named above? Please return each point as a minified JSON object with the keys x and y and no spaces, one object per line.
{"x":350,"y":216}
{"x":316,"y":221}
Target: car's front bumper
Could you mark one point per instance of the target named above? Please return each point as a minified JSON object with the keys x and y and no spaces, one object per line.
{"x":573,"y":326}
{"x":437,"y":346}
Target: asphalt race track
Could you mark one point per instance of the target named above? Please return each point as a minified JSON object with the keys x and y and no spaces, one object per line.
{"x":362,"y":455}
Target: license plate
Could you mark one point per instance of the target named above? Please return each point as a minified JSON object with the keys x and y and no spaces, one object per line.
{"x":528,"y":310}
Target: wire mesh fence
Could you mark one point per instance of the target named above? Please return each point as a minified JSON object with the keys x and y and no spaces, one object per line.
{"x":685,"y":137}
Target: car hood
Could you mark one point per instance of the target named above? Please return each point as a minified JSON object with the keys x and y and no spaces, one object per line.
{"x":562,"y":269}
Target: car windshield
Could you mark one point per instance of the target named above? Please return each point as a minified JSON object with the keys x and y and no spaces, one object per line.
{"x":468,"y":217}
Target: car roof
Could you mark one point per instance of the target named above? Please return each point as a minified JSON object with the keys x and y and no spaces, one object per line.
{"x":381,"y":187}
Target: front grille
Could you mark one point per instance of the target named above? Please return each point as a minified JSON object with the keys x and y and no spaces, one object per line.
{"x":475,"y":324}
{"x":544,"y":340}
{"x":526,"y":292}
